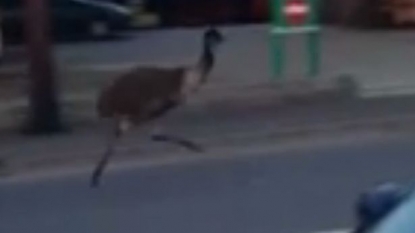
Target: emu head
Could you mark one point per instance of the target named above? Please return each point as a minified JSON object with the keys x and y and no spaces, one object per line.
{"x":213,"y":37}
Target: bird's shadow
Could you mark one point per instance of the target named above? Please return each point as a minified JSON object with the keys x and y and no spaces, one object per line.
{"x":185,"y":143}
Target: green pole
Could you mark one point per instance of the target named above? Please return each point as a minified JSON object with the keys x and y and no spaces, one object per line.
{"x":313,"y":40}
{"x":277,"y":40}
{"x":278,"y":55}
{"x":314,"y":54}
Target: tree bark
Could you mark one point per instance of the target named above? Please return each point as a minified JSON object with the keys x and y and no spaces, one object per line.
{"x":44,"y":115}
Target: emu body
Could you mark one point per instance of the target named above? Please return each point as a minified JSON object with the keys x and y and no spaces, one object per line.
{"x":147,"y":93}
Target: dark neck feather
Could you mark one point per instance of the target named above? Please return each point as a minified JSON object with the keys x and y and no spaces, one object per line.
{"x":206,"y":61}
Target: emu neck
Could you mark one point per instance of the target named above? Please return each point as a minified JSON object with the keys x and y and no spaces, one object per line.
{"x":206,"y":62}
{"x":197,"y":76}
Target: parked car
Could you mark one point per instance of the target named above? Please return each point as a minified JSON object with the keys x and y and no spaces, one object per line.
{"x":379,"y":206}
{"x":387,"y":208}
{"x":201,"y":12}
{"x":68,"y":17}
{"x":400,"y":218}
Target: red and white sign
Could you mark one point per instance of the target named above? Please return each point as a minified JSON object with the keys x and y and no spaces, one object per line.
{"x":296,"y":11}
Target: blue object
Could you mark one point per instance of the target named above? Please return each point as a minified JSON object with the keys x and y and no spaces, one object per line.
{"x":376,"y":204}
{"x":401,"y":219}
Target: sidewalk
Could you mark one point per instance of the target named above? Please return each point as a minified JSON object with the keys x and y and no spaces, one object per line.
{"x":382,"y":61}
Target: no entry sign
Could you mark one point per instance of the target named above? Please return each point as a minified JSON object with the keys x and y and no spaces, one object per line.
{"x":294,"y":16}
{"x":296,"y":12}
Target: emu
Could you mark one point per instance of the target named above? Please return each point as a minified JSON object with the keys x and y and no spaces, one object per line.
{"x":147,"y":93}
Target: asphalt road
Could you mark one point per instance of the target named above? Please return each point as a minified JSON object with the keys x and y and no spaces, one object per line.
{"x":302,"y":191}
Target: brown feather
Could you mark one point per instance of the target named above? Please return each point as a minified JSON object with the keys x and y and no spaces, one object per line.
{"x":139,"y":93}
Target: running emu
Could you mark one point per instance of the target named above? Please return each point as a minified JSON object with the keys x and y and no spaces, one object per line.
{"x":148,"y":93}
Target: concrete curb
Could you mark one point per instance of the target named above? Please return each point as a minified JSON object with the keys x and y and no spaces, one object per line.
{"x":110,"y":69}
{"x":101,"y":69}
{"x":83,"y":104}
{"x":208,"y":93}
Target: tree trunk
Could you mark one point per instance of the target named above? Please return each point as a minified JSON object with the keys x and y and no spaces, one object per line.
{"x":44,"y":116}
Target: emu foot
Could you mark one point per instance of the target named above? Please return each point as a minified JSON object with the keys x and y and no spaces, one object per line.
{"x":192,"y":146}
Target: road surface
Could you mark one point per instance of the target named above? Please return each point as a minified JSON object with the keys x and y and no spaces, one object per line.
{"x":302,"y":191}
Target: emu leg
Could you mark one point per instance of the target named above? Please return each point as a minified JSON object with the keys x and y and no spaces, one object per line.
{"x":114,"y":136}
{"x":158,"y":136}
{"x":178,"y":141}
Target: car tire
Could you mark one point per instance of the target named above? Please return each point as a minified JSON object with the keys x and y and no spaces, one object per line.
{"x":99,"y":29}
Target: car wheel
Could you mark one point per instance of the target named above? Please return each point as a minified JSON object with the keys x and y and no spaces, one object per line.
{"x":99,"y":29}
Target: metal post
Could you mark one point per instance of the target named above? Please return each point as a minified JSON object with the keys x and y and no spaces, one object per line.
{"x":281,"y":27}
{"x":277,"y":41}
{"x":314,"y":49}
{"x":313,"y":54}
{"x":278,"y":55}
{"x":44,"y":116}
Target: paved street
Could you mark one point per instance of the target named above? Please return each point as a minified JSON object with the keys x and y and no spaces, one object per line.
{"x":231,"y":124}
{"x":301,"y":190}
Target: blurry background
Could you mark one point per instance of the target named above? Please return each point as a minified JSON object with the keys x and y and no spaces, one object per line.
{"x":284,"y":154}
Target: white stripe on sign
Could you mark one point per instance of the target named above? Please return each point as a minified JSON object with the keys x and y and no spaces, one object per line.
{"x":296,"y":9}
